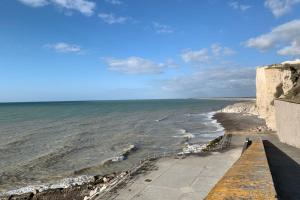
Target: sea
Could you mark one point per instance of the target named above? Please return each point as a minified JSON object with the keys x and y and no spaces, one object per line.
{"x":46,"y":142}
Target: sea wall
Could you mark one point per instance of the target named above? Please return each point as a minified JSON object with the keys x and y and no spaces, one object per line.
{"x":248,"y":178}
{"x":288,"y":122}
{"x":275,"y":81}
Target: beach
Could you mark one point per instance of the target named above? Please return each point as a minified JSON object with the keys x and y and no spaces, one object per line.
{"x":142,"y":100}
{"x":194,"y":176}
{"x":60,"y":144}
{"x":188,"y":175}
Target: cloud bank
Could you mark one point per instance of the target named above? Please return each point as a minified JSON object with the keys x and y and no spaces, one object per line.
{"x":206,"y":54}
{"x":286,"y":37}
{"x":214,"y":82}
{"x":280,"y":7}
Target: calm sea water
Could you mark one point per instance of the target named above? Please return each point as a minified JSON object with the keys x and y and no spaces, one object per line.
{"x":44,"y":142}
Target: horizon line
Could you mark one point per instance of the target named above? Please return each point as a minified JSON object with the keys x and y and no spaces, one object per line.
{"x":90,"y":100}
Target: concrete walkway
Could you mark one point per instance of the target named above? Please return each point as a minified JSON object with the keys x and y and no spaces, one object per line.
{"x":182,"y":179}
{"x":193,"y":177}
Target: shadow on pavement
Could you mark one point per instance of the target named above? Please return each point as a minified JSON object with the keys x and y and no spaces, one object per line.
{"x":285,"y":172}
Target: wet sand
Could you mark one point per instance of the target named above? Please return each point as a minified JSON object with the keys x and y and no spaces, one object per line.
{"x":236,"y":123}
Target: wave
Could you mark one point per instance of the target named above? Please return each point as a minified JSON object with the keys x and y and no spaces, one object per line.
{"x":182,"y":131}
{"x":70,"y":181}
{"x":184,"y":134}
{"x":63,"y":183}
{"x":162,"y":119}
{"x":208,"y":121}
{"x":220,"y":129}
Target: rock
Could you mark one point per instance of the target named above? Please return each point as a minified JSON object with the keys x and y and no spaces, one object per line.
{"x":95,"y":191}
{"x":105,"y":180}
{"x":26,"y":196}
{"x":276,"y":81}
{"x":103,"y":188}
{"x":287,"y":83}
{"x":244,"y":107}
{"x":35,"y":191}
{"x":86,"y":198}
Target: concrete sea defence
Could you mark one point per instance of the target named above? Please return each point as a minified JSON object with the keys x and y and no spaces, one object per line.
{"x":288,"y":122}
{"x":248,"y":178}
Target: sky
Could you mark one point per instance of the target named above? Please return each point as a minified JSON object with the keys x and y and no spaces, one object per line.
{"x":59,"y":50}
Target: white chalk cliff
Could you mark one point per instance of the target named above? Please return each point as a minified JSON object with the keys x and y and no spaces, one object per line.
{"x":276,"y":81}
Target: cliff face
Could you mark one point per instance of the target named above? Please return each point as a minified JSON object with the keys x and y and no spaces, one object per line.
{"x":276,"y":81}
{"x":267,"y":80}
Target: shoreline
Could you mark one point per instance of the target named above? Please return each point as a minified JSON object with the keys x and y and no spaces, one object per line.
{"x":83,"y":182}
{"x":90,"y":185}
{"x":79,"y":191}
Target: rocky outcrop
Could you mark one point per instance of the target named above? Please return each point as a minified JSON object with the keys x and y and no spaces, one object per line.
{"x":248,"y":107}
{"x":276,"y":81}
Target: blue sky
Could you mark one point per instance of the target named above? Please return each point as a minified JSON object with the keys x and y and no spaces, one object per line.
{"x":141,"y":49}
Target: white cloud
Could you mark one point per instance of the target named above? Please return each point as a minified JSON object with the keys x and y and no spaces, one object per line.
{"x":293,"y":49}
{"x":137,"y":65}
{"x":114,"y":2}
{"x":190,"y":56}
{"x":85,"y":7}
{"x":205,"y":55}
{"x":213,"y":82}
{"x":63,"y":47}
{"x":238,"y":6}
{"x":280,"y":7}
{"x":219,"y":50}
{"x":286,"y":37}
{"x":35,"y":3}
{"x":162,"y":28}
{"x":110,"y":18}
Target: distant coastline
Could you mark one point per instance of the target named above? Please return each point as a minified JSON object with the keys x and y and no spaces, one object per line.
{"x":229,"y":98}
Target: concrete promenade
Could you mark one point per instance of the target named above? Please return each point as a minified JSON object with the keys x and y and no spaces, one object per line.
{"x":180,"y":179}
{"x":194,"y":176}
